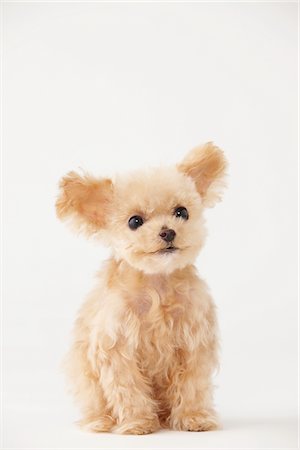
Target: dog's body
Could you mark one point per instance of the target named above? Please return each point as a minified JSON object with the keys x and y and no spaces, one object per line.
{"x":145,"y":342}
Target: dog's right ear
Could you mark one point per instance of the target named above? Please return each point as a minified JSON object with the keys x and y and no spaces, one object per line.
{"x":85,"y":201}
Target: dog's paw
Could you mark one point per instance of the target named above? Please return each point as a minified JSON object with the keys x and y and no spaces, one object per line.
{"x":96,"y":424}
{"x":199,"y":421}
{"x":137,"y":426}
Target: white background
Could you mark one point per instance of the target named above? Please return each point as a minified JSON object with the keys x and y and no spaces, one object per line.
{"x":114,"y":86}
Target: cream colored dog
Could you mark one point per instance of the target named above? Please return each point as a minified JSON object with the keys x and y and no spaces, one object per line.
{"x":145,"y":342}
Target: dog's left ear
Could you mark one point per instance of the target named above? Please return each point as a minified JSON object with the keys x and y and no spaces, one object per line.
{"x":206,"y":165}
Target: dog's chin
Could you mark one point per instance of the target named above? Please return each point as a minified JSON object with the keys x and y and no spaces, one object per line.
{"x":163,"y":261}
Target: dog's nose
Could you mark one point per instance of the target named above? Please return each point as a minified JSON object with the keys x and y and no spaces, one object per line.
{"x":167,"y":235}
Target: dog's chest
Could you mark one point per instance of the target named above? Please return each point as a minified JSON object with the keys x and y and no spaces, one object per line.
{"x":162,"y":337}
{"x":165,"y":315}
{"x":160,"y":305}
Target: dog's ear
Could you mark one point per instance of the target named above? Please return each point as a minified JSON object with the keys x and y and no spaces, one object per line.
{"x":84,"y":200}
{"x":206,"y":165}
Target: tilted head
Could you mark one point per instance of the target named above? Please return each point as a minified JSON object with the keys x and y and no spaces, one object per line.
{"x":152,"y":219}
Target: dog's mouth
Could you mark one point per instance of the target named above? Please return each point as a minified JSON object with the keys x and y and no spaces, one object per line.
{"x":170,"y":249}
{"x":165,"y":251}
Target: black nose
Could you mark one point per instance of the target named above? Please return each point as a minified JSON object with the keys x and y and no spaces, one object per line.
{"x":167,"y":235}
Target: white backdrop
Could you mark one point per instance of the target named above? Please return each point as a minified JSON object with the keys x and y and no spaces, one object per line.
{"x":114,"y":86}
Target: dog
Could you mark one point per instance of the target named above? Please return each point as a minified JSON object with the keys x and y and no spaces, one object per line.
{"x":145,"y":343}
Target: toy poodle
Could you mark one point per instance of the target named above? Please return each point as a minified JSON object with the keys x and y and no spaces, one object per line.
{"x":145,"y":342}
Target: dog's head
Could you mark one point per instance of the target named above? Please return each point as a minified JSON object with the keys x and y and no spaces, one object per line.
{"x":152,"y":219}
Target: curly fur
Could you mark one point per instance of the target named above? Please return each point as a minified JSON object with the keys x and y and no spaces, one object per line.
{"x":145,"y":342}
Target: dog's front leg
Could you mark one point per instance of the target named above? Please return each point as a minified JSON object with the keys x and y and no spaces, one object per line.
{"x":128,"y":394}
{"x":190,"y":397}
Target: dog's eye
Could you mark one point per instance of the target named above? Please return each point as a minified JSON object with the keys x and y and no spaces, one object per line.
{"x":182,"y":212}
{"x":134,"y":222}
